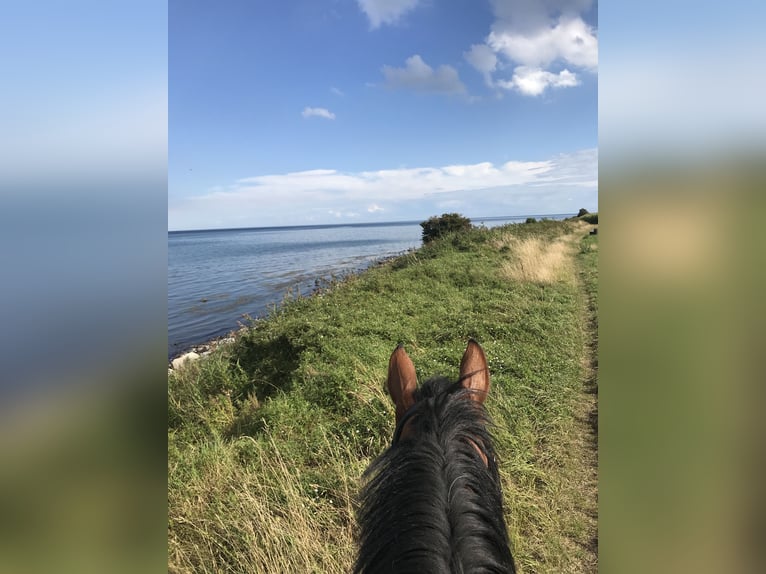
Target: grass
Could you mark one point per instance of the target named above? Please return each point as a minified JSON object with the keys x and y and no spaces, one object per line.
{"x":268,"y":437}
{"x":539,"y":261}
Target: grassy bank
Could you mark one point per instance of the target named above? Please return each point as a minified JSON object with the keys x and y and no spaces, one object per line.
{"x":268,"y":437}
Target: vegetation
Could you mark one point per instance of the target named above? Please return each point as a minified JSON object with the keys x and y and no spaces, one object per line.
{"x":582,"y":212}
{"x":439,"y":226}
{"x":268,"y":437}
{"x":530,"y":220}
{"x":590,"y":218}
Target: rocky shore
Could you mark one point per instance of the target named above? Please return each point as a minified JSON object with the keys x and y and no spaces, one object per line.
{"x":321,"y":285}
{"x":198,"y":351}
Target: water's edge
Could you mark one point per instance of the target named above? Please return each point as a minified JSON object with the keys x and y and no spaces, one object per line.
{"x":304,"y":285}
{"x":207,"y":346}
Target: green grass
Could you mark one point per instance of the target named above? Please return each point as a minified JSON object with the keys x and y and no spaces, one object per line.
{"x":268,"y":437}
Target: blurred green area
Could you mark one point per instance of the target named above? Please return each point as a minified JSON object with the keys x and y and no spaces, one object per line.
{"x":681,"y":454}
{"x":82,"y":476}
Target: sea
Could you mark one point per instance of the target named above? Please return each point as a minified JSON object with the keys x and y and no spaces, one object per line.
{"x":219,"y":278}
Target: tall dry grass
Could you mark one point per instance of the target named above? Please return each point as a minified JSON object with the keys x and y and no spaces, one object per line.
{"x":266,"y":515}
{"x":539,"y":261}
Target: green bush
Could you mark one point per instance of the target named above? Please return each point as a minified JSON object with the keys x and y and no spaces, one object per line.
{"x":582,"y":212}
{"x":530,"y":220}
{"x":438,"y":226}
{"x":590,"y":218}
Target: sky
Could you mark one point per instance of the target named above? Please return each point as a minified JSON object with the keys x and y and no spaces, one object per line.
{"x":350,"y":111}
{"x":684,"y":85}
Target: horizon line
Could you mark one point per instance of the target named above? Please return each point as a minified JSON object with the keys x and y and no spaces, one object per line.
{"x":361,"y":223}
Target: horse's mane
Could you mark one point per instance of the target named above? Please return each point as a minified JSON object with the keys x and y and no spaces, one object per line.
{"x":431,"y":504}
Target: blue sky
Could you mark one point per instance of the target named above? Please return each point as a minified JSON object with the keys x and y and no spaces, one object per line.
{"x":334,"y":111}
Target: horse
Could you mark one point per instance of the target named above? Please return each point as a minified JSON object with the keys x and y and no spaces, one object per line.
{"x":432,"y":501}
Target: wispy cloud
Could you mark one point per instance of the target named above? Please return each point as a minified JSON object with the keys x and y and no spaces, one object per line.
{"x":418,"y":76}
{"x":554,"y":184}
{"x":385,"y":11}
{"x":342,"y":214}
{"x":318,"y":112}
{"x":541,"y":42}
{"x":484,"y":59}
{"x":337,"y":92}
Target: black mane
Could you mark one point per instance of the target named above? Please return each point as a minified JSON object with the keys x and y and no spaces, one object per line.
{"x":431,"y":504}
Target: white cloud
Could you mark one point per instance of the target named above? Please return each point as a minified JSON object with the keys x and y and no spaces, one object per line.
{"x":337,"y":92}
{"x":385,"y":11}
{"x":419,"y":76}
{"x":571,"y":40}
{"x":536,"y":38}
{"x":579,"y":169}
{"x":534,"y":81}
{"x":318,"y":112}
{"x":291,"y":198}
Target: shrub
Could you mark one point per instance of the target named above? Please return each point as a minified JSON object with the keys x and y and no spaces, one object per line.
{"x":582,"y":212}
{"x":438,"y":226}
{"x":530,"y":220}
{"x":590,"y":218}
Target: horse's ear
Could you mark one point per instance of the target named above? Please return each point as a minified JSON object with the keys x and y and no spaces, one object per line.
{"x":474,"y":372}
{"x":402,"y":381}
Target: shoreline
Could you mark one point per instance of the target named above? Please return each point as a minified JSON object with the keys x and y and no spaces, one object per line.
{"x":321,"y":285}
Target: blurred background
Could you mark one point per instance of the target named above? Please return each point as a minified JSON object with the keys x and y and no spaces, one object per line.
{"x":682,"y":143}
{"x":83,"y":240}
{"x":83,"y":187}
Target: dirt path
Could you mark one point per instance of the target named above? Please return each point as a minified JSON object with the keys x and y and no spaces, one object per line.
{"x":562,"y":536}
{"x":585,"y":440}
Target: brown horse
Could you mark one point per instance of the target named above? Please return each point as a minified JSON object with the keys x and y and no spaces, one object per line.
{"x":433,"y":502}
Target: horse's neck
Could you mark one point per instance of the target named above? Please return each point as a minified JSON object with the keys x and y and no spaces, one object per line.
{"x":431,"y":515}
{"x":433,"y":503}
{"x":407,"y":526}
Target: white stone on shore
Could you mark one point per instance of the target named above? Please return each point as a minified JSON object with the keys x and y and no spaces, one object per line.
{"x":180,"y":361}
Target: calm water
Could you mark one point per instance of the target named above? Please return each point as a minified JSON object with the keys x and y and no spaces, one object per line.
{"x":216,"y":277}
